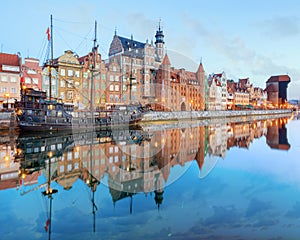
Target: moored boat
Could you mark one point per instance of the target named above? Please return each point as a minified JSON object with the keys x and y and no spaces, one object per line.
{"x":37,"y":113}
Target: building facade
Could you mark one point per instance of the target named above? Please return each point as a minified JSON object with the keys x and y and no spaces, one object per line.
{"x":276,"y":88}
{"x":138,"y":63}
{"x":10,"y":69}
{"x":32,"y":73}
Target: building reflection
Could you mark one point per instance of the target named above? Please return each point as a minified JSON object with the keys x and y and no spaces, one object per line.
{"x":277,"y":135}
{"x":133,"y":161}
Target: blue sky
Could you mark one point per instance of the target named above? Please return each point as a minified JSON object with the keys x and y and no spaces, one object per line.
{"x":254,"y":39}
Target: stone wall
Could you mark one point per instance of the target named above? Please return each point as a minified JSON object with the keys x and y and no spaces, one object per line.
{"x":199,"y":115}
{"x":167,"y":120}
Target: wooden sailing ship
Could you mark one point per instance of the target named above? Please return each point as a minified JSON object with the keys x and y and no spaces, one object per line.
{"x":37,"y":112}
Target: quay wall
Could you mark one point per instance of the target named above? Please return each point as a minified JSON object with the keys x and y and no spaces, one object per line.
{"x":222,"y":117}
{"x":7,"y":119}
{"x":202,"y":115}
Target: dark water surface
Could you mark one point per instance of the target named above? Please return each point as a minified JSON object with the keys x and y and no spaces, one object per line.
{"x":223,"y":181}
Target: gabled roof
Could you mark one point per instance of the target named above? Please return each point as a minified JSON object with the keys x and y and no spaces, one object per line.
{"x":166,"y":60}
{"x":81,"y":59}
{"x":279,"y":78}
{"x":130,"y":43}
{"x":231,"y":87}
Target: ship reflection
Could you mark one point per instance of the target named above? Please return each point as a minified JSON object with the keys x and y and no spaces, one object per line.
{"x":132,"y":161}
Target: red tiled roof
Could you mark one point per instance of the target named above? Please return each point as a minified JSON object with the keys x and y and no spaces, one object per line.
{"x":81,"y":59}
{"x":218,"y":75}
{"x":279,"y":78}
{"x":9,"y":59}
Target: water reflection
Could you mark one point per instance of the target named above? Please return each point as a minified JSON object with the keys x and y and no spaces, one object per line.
{"x":128,"y":162}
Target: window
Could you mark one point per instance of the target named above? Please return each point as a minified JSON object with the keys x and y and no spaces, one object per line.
{"x":70,"y":83}
{"x":111,"y":88}
{"x":117,"y":78}
{"x":77,"y":74}
{"x":70,"y":73}
{"x":117,"y":88}
{"x":85,"y":75}
{"x":35,"y":81}
{"x":85,"y":85}
{"x":62,"y":83}
{"x":27,"y":80}
{"x":70,"y":95}
{"x":103,"y":76}
{"x":13,"y":79}
{"x":111,"y":149}
{"x":63,"y":72}
{"x":114,"y":68}
{"x":111,"y":78}
{"x":111,"y":97}
{"x":4,"y":78}
{"x":13,"y":90}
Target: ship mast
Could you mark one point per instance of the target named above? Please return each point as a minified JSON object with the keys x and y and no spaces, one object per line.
{"x":51,"y":60}
{"x":93,"y":69}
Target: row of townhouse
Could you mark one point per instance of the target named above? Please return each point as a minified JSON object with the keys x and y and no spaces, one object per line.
{"x":223,"y":93}
{"x":135,"y":71}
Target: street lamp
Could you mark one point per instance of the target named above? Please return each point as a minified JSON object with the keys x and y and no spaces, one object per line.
{"x":7,"y":96}
{"x":191,"y":104}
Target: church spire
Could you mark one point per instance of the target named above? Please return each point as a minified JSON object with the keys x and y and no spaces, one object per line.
{"x":159,"y":36}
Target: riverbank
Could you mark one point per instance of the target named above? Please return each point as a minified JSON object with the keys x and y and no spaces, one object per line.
{"x":203,"y":115}
{"x":7,"y":119}
{"x":163,"y":120}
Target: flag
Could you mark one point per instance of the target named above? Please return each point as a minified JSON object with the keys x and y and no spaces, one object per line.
{"x":48,"y":33}
{"x":47,"y":224}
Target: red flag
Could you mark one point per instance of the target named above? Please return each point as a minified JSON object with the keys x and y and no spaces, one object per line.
{"x":48,"y":33}
{"x":47,"y":224}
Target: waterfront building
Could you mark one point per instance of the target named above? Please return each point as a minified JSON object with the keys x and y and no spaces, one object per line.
{"x":114,"y":84}
{"x":46,"y":81}
{"x":138,"y":63}
{"x":179,"y":89}
{"x":83,"y":92}
{"x":68,"y":77}
{"x":259,"y":97}
{"x":10,"y":69}
{"x":214,"y":98}
{"x":217,"y":91}
{"x":276,"y":87}
{"x":32,"y":74}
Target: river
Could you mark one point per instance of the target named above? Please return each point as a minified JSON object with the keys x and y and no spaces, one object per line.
{"x":214,"y":180}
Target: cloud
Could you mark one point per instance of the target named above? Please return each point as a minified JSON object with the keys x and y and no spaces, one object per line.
{"x":280,"y":27}
{"x":295,"y":211}
{"x":223,"y":216}
{"x":257,"y":208}
{"x":144,"y":26}
{"x":236,"y":53}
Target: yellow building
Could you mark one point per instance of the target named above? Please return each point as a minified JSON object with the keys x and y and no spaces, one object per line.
{"x":69,"y":77}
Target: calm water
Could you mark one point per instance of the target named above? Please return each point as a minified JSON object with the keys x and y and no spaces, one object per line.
{"x":222,"y":181}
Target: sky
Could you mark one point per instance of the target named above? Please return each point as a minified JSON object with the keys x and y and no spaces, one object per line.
{"x":250,"y":38}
